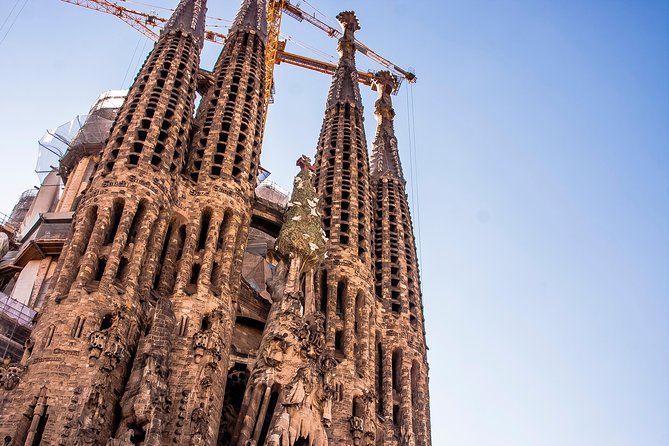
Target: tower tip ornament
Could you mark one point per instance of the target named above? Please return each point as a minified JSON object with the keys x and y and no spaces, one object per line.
{"x":344,"y":86}
{"x":384,"y":83}
{"x":346,"y":46}
{"x":385,"y":154}
{"x":304,"y":162}
{"x":348,"y":21}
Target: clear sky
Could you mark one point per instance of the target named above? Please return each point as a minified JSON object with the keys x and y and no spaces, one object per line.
{"x":542,"y":177}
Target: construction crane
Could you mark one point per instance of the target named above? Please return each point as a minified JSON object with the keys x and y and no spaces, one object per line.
{"x":150,"y":24}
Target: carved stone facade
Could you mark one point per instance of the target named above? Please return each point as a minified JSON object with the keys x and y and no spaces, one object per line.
{"x":185,"y":309}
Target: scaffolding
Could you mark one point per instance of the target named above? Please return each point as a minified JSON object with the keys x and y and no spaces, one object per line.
{"x":16,"y":322}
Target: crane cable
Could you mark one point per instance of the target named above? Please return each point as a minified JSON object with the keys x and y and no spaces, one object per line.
{"x":413,"y":168}
{"x":306,"y":46}
{"x":11,"y":25}
{"x":132,"y":59}
{"x":4,"y":22}
{"x":139,"y":56}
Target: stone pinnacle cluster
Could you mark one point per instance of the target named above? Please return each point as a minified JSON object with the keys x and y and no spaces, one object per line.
{"x":188,"y":308}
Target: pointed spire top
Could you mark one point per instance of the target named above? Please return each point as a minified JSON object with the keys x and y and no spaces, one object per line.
{"x":189,"y":17}
{"x":344,"y":86}
{"x":252,"y":16}
{"x":385,"y":154}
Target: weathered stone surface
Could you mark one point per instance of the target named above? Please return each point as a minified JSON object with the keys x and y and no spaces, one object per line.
{"x":174,"y":316}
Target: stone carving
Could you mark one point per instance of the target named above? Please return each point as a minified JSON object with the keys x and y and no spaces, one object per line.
{"x":181,"y":415}
{"x":10,"y":374}
{"x":299,"y":388}
{"x":199,"y":424}
{"x":326,"y":367}
{"x":200,"y":344}
{"x":108,"y":345}
{"x":27,"y":350}
{"x":312,"y":335}
{"x":113,"y":352}
{"x":70,"y":415}
{"x":356,"y":426}
{"x":406,"y":436}
{"x":97,"y":341}
{"x":89,"y":423}
{"x":207,"y":340}
{"x":274,"y":350}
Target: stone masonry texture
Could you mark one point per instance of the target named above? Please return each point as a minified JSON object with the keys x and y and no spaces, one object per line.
{"x":185,"y":309}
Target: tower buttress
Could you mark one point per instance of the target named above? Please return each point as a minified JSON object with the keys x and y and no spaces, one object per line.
{"x":90,"y":326}
{"x":344,"y":281}
{"x":401,"y":375}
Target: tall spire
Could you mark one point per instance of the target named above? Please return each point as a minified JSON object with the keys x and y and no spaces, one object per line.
{"x":344,"y":86}
{"x":385,"y":155}
{"x":252,"y":16}
{"x":189,"y":17}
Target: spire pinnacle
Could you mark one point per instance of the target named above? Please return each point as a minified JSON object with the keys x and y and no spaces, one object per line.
{"x":344,"y":86}
{"x":189,"y":17}
{"x":385,"y":154}
{"x":252,"y":16}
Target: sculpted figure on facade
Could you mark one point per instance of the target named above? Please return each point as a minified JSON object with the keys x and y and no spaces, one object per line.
{"x":163,"y":233}
{"x":312,"y":335}
{"x":107,"y":345}
{"x":10,"y":374}
{"x":199,"y":425}
{"x":207,"y":341}
{"x":356,"y":426}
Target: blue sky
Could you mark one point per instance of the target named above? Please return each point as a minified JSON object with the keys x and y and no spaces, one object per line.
{"x":542,"y":170}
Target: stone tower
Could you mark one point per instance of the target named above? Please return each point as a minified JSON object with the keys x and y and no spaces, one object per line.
{"x":89,"y":330}
{"x":345,"y":279}
{"x":401,"y":357}
{"x":189,"y":306}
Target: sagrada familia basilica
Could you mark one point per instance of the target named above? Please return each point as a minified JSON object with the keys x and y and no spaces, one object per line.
{"x":168,"y":298}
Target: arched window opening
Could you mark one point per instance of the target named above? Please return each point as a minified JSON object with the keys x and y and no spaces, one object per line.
{"x":324,"y":291}
{"x":341,"y":292}
{"x":100,"y":269}
{"x":136,"y":222}
{"x":397,"y":370}
{"x":379,"y":375}
{"x":204,"y":229}
{"x":117,"y":212}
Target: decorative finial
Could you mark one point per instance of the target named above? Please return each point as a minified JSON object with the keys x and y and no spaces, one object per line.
{"x":385,"y":155}
{"x":384,"y":83}
{"x":344,"y":86}
{"x":305,"y":163}
{"x":349,"y":22}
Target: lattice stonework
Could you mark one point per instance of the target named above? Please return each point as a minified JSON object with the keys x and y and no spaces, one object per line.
{"x":188,"y":307}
